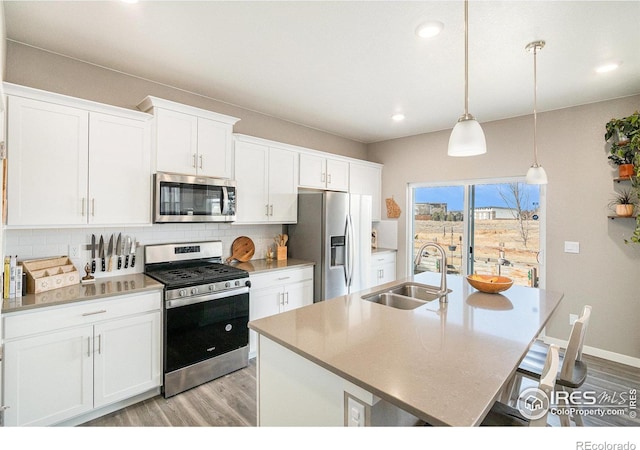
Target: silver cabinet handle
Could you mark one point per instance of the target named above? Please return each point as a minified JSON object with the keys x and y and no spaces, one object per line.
{"x":322,"y":177}
{"x":200,"y":161}
{"x":89,"y":346}
{"x":271,"y":207}
{"x":99,"y":344}
{"x":287,"y":301}
{"x":102,"y":311}
{"x":283,"y":278}
{"x":267,"y":210}
{"x":194,"y":160}
{"x":329,"y":178}
{"x":83,"y":205}
{"x":93,"y":206}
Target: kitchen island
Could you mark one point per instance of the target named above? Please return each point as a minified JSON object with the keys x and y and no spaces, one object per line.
{"x":441,"y":363}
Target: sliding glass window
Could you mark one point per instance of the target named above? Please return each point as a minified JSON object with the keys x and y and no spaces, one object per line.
{"x":488,"y":227}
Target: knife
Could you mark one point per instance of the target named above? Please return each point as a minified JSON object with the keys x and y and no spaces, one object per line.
{"x":119,"y":250}
{"x":101,"y":252}
{"x":127,"y":250}
{"x":110,"y":253}
{"x":93,"y":253}
{"x":133,"y":252}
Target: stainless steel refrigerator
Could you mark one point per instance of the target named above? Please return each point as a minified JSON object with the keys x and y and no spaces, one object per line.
{"x":334,"y":231}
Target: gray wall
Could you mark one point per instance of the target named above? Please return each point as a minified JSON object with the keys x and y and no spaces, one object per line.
{"x":605,"y":273}
{"x":35,"y":68}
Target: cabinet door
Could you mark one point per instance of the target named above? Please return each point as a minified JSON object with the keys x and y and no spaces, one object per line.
{"x":337,"y":175}
{"x":283,"y":189}
{"x":388,"y":272}
{"x":214,"y":148}
{"x":251,"y":164}
{"x":299,"y":294}
{"x":313,"y":171}
{"x":127,"y":357}
{"x":48,"y":378}
{"x":263,"y":303}
{"x":119,"y":170}
{"x":177,"y":141}
{"x":367,"y":180}
{"x":47,"y":163}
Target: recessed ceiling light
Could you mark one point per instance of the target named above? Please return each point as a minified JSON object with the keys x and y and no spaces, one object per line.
{"x":607,"y":67}
{"x":398,"y":117}
{"x":429,"y":29}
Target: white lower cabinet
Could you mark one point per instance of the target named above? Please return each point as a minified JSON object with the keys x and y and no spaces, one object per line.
{"x":68,"y":361}
{"x":383,"y":268}
{"x":278,"y":291}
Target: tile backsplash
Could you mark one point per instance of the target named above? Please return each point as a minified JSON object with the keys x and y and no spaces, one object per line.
{"x":42,"y":243}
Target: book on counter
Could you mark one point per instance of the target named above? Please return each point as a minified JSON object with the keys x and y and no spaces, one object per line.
{"x":10,"y":282}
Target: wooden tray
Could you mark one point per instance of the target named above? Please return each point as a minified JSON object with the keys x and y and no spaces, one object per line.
{"x":49,"y":273}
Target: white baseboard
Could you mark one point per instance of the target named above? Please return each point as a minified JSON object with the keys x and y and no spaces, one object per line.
{"x":599,"y":353}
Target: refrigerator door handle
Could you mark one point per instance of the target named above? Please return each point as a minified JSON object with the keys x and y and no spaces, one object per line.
{"x":350,"y":250}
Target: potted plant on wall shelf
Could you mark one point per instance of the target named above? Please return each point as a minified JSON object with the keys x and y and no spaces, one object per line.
{"x":623,"y":202}
{"x":624,"y":135}
{"x":635,"y":185}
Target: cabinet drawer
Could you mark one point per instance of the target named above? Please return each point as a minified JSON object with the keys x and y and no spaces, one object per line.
{"x":383,"y":258}
{"x":82,"y":313}
{"x":281,"y":277}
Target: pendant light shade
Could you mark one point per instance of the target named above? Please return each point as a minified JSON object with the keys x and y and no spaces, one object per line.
{"x":535,"y":174}
{"x":467,"y":137}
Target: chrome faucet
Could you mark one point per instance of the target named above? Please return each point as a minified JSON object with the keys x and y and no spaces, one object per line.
{"x":443,"y":264}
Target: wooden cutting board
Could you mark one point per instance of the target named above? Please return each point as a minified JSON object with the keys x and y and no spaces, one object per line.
{"x":242,"y":249}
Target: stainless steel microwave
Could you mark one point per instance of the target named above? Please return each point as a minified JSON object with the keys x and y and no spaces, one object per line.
{"x":185,"y":198}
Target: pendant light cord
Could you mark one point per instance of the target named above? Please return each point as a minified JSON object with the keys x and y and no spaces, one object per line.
{"x":535,"y":105}
{"x":466,"y":59}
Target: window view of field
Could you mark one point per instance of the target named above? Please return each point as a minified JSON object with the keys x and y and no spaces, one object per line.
{"x":506,"y":237}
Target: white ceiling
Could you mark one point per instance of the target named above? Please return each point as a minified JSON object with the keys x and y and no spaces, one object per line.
{"x":346,"y":66}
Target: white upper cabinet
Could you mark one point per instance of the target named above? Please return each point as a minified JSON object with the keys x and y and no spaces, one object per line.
{"x":366,"y":178}
{"x":119,"y":168}
{"x":190,"y":140}
{"x":319,"y":172}
{"x":72,"y":162}
{"x":266,"y":180}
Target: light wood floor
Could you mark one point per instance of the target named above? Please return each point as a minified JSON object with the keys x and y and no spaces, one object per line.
{"x":230,"y":401}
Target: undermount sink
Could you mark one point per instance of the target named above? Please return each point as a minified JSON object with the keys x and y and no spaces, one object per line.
{"x":422,"y":292}
{"x":406,"y":295}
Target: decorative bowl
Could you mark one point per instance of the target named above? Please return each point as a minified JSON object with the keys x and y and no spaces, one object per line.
{"x":490,"y":284}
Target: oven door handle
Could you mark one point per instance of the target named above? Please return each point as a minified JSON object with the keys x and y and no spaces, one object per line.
{"x":205,"y":298}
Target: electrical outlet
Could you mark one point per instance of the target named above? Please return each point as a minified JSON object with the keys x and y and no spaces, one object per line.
{"x":74,"y":251}
{"x":572,"y":318}
{"x":355,"y":413}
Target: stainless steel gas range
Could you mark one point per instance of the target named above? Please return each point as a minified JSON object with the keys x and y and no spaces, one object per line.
{"x":206,"y":312}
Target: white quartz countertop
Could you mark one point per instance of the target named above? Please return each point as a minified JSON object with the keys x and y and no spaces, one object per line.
{"x":446,"y":363}
{"x":101,"y":288}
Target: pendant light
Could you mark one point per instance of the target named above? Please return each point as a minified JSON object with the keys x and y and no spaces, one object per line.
{"x":467,"y":137}
{"x":535,"y":174}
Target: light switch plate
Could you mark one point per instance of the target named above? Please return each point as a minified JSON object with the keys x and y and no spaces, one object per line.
{"x":571,"y":247}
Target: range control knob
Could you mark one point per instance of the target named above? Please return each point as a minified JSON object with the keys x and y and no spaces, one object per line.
{"x":182,"y":292}
{"x":212,"y":287}
{"x":194,"y":291}
{"x":237,"y":282}
{"x":227,"y":284}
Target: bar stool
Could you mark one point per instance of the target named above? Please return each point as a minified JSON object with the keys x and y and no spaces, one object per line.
{"x":573,"y":370}
{"x":502,"y":414}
